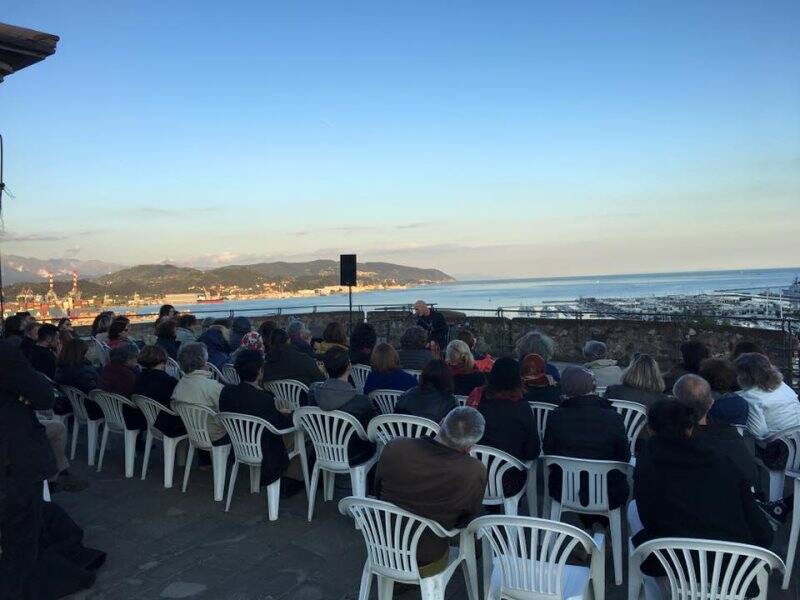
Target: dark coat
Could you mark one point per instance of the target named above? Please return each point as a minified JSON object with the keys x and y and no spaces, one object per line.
{"x":588,"y":427}
{"x":360,"y":356}
{"x":25,"y":454}
{"x":551,"y":394}
{"x":158,"y":385}
{"x":218,"y":347}
{"x":43,"y":360}
{"x":414,"y":358}
{"x":464,"y":383}
{"x":169,"y":344}
{"x":729,"y":408}
{"x":247,"y":399}
{"x":83,"y":377}
{"x":120,"y":379}
{"x":436,"y":326}
{"x":290,"y":363}
{"x":726,"y":441}
{"x":397,"y":379}
{"x":425,"y":401}
{"x":623,"y":392}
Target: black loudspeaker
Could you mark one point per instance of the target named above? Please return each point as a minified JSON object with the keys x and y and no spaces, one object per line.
{"x":347,"y":269}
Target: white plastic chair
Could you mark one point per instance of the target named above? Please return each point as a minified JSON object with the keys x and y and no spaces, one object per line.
{"x":634,"y":415}
{"x":76,"y":399}
{"x":541,"y":411}
{"x":150,"y":408}
{"x":98,"y":352}
{"x":359,"y":374}
{"x":392,"y":535}
{"x":497,"y":464}
{"x":461,"y":400}
{"x":597,"y":471}
{"x":416,"y":373}
{"x":216,"y":374}
{"x":705,"y":569}
{"x":525,"y":558}
{"x":173,"y":369}
{"x":245,"y":432}
{"x":384,"y":428}
{"x":195,"y":418}
{"x":111,"y":405}
{"x":287,"y":392}
{"x":229,"y":375}
{"x":385,"y":400}
{"x":791,"y":439}
{"x":777,"y":478}
{"x":330,"y":432}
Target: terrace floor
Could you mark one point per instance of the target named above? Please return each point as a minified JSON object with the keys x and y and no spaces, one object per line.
{"x":165,"y":544}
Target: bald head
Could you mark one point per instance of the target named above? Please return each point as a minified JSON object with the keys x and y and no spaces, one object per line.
{"x":421,"y":308}
{"x":694,"y":391}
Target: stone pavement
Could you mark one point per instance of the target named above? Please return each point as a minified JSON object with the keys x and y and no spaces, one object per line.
{"x":165,"y":544}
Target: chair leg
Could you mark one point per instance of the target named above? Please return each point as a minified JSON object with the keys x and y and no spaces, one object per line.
{"x":219,"y":465}
{"x":300,"y":445}
{"x":385,"y":588}
{"x":232,"y":484}
{"x":615,"y":521}
{"x":273,"y":499}
{"x":76,"y":426}
{"x":255,"y":478}
{"x":146,"y":458}
{"x":92,"y":430}
{"x":470,"y":566}
{"x":366,"y":582}
{"x":328,"y":478}
{"x":188,"y":467}
{"x":488,"y":565}
{"x":358,"y":482}
{"x":776,"y":481}
{"x":555,"y":510}
{"x":170,"y":446}
{"x":432,"y":588}
{"x":312,"y":491}
{"x":532,"y":493}
{"x":130,"y":436}
{"x":510,"y":506}
{"x":793,"y":535}
{"x":102,"y":448}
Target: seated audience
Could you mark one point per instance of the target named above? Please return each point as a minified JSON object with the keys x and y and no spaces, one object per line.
{"x":265,"y":330}
{"x":30,"y":332}
{"x":433,"y":397}
{"x":332,"y":336}
{"x":773,"y":405}
{"x":436,"y":478}
{"x":250,"y":341}
{"x":300,"y":337}
{"x":184,"y":332}
{"x":386,"y":373}
{"x":167,"y":337}
{"x":693,"y":353}
{"x":483,"y":361}
{"x":336,"y":393}
{"x":535,"y":342}
{"x":695,"y":392}
{"x":284,"y":361}
{"x":13,"y":330}
{"x":154,"y":383}
{"x":206,"y":323}
{"x":642,"y":383}
{"x":65,"y":330}
{"x":240,"y":326}
{"x":75,"y":370}
{"x":167,"y":311}
{"x":414,"y":353}
{"x":362,"y":340}
{"x":42,"y":355}
{"x":729,"y":407}
{"x":119,"y":377}
{"x":198,"y":387}
{"x":745,"y":347}
{"x":249,"y":398}
{"x":685,"y":489}
{"x":538,"y":386}
{"x":462,"y":366}
{"x":606,"y":371}
{"x":587,"y":426}
{"x":118,"y":333}
{"x":217,"y":345}
{"x":101,"y":325}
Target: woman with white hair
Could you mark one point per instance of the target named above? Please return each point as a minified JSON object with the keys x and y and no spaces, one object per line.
{"x":606,"y":371}
{"x":461,"y":362}
{"x":197,"y":386}
{"x":773,"y":404}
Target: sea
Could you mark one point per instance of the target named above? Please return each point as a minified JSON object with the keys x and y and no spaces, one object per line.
{"x":491,"y":294}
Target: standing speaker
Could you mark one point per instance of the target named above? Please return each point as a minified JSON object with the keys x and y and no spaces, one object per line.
{"x":347,"y":269}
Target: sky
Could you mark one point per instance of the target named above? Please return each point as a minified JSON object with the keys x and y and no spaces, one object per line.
{"x":503,"y":139}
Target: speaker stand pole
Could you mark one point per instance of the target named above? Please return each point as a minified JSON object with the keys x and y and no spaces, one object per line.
{"x":350,"y":294}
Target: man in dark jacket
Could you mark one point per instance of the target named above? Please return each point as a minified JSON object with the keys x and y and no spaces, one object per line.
{"x":337,"y":393}
{"x":587,"y":426}
{"x":42,"y":355}
{"x":437,"y":479}
{"x":433,"y":322}
{"x":25,"y":461}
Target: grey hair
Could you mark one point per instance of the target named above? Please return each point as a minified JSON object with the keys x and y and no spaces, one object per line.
{"x":458,"y":353}
{"x":694,"y":392}
{"x":193,"y":356}
{"x":414,"y":338}
{"x":461,"y":428}
{"x":753,"y":370}
{"x":535,"y":342}
{"x":296,"y":326}
{"x":594,"y":350}
{"x":122,"y":354}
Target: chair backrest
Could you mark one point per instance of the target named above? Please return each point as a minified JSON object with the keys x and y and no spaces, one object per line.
{"x":532,"y":553}
{"x":195,"y":419}
{"x":287,"y":393}
{"x":497,"y":464}
{"x":385,"y":400}
{"x":150,"y":408}
{"x":791,"y":439}
{"x":173,"y":369}
{"x":229,"y":375}
{"x":414,"y":372}
{"x":634,"y":415}
{"x":391,"y":535}
{"x":245,"y":432}
{"x":330,"y":432}
{"x":76,"y":399}
{"x":597,"y":479}
{"x":359,"y":374}
{"x":98,"y":352}
{"x":384,"y":428}
{"x":707,"y":569}
{"x":216,"y":374}
{"x":461,"y":400}
{"x":541,"y":410}
{"x":111,"y":405}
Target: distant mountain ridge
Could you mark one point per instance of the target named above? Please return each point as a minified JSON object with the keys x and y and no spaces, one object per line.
{"x":19,"y":269}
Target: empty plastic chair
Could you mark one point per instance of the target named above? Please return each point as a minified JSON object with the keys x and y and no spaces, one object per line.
{"x":173,"y":369}
{"x":330,"y":432}
{"x":705,"y":569}
{"x":391,"y":535}
{"x":634,"y":415}
{"x":76,"y":399}
{"x":497,"y":464}
{"x":525,"y":558}
{"x":359,"y":374}
{"x":195,"y":418}
{"x":384,"y":428}
{"x":597,"y":479}
{"x":111,"y":405}
{"x":151,"y":408}
{"x":385,"y":400}
{"x":287,"y":392}
{"x":791,"y":439}
{"x":229,"y":375}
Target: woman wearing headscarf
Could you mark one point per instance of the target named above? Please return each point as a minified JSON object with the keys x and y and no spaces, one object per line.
{"x":539,"y":385}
